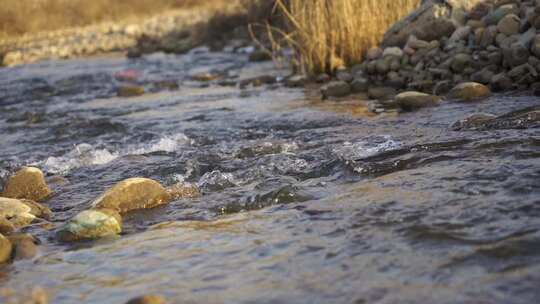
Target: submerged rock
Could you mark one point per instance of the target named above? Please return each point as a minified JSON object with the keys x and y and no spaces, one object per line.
{"x":91,"y":224}
{"x":27,"y":183}
{"x":24,"y":246}
{"x":148,"y":299}
{"x":472,"y":122}
{"x":38,"y":209}
{"x":16,"y":212}
{"x":132,"y":194}
{"x":5,"y":249}
{"x":414,"y":100}
{"x":130,"y":91}
{"x":469,"y":91}
{"x":183,"y":190}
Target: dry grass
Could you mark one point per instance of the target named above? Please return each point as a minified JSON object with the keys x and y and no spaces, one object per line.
{"x":327,"y":34}
{"x":18,"y":17}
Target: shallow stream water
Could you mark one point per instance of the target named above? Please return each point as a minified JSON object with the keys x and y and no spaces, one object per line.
{"x":303,"y":201}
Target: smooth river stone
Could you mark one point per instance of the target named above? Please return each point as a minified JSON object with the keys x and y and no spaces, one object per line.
{"x":132,"y":194}
{"x":27,"y":183}
{"x":91,"y":224}
{"x":5,"y":249}
{"x":15,"y":212}
{"x":469,"y":91}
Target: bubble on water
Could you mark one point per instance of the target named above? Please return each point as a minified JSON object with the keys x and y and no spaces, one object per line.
{"x":165,"y":144}
{"x":216,"y":180}
{"x":366,"y":148}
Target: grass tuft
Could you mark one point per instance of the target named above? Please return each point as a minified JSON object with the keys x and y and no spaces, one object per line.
{"x":328,"y":34}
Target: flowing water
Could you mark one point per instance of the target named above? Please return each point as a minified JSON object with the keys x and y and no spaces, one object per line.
{"x":303,"y":201}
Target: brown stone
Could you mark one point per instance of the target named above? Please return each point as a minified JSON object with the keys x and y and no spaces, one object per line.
{"x":5,"y":249}
{"x":469,"y":91}
{"x":133,"y":194}
{"x":24,"y":246}
{"x":27,"y":183}
{"x":148,"y":299}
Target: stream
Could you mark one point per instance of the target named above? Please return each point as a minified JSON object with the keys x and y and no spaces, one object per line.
{"x":303,"y":200}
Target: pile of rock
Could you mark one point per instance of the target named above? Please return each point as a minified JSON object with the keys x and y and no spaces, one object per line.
{"x":488,"y":44}
{"x":19,"y":209}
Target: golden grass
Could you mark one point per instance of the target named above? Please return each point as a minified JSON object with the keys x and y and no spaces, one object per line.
{"x":18,"y":17}
{"x":327,"y":34}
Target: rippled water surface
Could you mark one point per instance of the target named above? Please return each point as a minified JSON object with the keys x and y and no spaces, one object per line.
{"x":303,"y":201}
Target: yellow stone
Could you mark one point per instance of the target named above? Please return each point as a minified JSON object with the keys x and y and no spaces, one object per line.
{"x":27,"y":183}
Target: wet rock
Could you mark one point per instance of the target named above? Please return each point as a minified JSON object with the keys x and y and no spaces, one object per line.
{"x":336,"y":89}
{"x":204,"y":77}
{"x":296,"y":81}
{"x":6,"y":227}
{"x":91,"y":224}
{"x":483,"y":76}
{"x":183,"y":190}
{"x":259,"y":56}
{"x":38,"y":209}
{"x":469,"y":91}
{"x":130,"y":91}
{"x":148,"y":299}
{"x":344,"y":76}
{"x":5,"y":249}
{"x":132,"y":194}
{"x":381,"y":93}
{"x":414,"y":100}
{"x":509,"y":24}
{"x":24,"y":246}
{"x":16,"y":212}
{"x":27,"y":183}
{"x":473,"y":121}
{"x":442,"y":87}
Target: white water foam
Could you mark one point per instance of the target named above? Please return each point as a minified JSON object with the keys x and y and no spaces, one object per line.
{"x":366,"y":148}
{"x":84,"y":154}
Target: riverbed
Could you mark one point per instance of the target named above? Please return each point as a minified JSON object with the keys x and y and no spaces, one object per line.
{"x":303,"y":200}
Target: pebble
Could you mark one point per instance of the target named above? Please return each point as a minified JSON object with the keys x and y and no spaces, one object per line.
{"x":336,"y":89}
{"x":411,"y":100}
{"x":130,"y":91}
{"x":148,"y":299}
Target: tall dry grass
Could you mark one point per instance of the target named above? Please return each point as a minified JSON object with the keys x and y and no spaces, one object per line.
{"x":18,"y":17}
{"x":327,"y":34}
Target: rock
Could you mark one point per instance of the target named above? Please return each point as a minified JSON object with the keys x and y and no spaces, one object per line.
{"x":38,"y":209}
{"x":183,"y":190}
{"x":296,"y":81}
{"x":132,"y":194}
{"x":382,"y":66}
{"x":461,"y":33}
{"x":483,"y":76}
{"x":469,"y":91}
{"x":148,"y":299}
{"x":130,"y":91}
{"x":501,"y":82}
{"x":535,"y":48}
{"x":488,"y":36}
{"x":414,"y":100}
{"x":204,"y":77}
{"x":91,"y":224}
{"x":360,"y":85}
{"x":374,"y":53}
{"x":5,"y":249}
{"x":473,"y":121}
{"x":509,"y":24}
{"x":344,"y":76}
{"x":381,"y":93}
{"x":16,"y":212}
{"x":336,"y":89}
{"x":522,"y":70}
{"x":442,"y":87}
{"x":6,"y":227}
{"x":27,"y":183}
{"x":393,"y":52}
{"x":497,"y":15}
{"x":24,"y":246}
{"x":259,"y":56}
{"x":323,"y":78}
{"x":431,"y":21}
{"x":460,"y":62}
